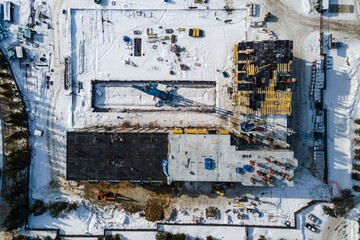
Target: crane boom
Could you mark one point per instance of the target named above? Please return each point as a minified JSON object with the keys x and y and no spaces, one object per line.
{"x":249,"y":123}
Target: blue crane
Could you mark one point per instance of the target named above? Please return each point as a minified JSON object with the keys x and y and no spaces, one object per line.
{"x":249,"y":123}
{"x":167,"y":97}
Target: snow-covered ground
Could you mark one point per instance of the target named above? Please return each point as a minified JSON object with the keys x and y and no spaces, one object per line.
{"x":218,"y":232}
{"x":92,"y":220}
{"x":93,"y":38}
{"x":341,"y":97}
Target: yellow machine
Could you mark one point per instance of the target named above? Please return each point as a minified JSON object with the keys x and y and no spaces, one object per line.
{"x":196,"y":32}
{"x":105,"y":196}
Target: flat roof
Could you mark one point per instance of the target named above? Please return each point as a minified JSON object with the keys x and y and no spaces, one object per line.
{"x":187,"y":153}
{"x":135,"y":157}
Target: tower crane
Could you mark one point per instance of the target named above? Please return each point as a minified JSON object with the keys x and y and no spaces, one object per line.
{"x":250,"y":124}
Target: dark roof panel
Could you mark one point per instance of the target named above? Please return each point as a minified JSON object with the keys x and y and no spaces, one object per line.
{"x":109,"y":156}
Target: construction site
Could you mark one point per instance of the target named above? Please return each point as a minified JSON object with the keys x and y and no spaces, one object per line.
{"x":197,"y":111}
{"x":249,"y":101}
{"x":259,"y":155}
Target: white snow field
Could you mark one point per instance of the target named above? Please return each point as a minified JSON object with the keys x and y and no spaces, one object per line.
{"x":99,"y":48}
{"x":92,"y":35}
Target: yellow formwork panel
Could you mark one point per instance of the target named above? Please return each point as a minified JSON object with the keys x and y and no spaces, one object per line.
{"x":276,"y":102}
{"x":190,"y":131}
{"x":251,"y":70}
{"x":201,"y":131}
{"x":223,"y":132}
{"x":195,"y":131}
{"x":236,"y":78}
{"x":236,"y":55}
{"x":177,"y":131}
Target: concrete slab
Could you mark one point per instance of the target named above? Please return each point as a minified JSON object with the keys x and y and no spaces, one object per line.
{"x":187,"y":161}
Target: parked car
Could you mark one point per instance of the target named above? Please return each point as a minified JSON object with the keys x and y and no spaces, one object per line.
{"x":311,"y":227}
{"x":312,"y":218}
{"x":137,"y":32}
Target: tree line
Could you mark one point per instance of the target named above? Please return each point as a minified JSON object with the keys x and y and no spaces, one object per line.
{"x":17,"y":153}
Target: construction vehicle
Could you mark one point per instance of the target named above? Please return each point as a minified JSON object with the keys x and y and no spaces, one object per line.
{"x":218,"y":190}
{"x":165,"y":96}
{"x":105,"y":196}
{"x":196,"y":32}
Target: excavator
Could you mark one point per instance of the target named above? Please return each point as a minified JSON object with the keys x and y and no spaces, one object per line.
{"x":105,"y":196}
{"x":116,"y":197}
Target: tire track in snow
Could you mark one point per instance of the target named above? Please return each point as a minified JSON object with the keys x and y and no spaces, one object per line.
{"x":56,"y":87}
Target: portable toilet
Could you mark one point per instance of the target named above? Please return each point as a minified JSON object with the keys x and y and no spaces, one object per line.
{"x":209,"y":164}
